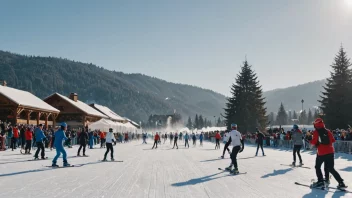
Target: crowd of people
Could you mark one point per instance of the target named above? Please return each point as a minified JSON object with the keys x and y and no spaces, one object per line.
{"x":13,"y":136}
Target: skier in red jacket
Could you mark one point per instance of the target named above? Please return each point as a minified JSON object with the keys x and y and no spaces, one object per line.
{"x":217,"y":139}
{"x":156,"y":139}
{"x":323,"y":140}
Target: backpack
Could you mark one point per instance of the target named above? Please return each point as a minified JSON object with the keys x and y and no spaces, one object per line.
{"x":323,"y":136}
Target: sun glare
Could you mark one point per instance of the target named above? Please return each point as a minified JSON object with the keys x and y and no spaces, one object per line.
{"x":349,"y":2}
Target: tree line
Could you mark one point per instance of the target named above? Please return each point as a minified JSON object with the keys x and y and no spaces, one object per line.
{"x":200,"y":122}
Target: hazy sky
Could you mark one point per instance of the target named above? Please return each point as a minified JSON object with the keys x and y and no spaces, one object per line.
{"x":197,"y":42}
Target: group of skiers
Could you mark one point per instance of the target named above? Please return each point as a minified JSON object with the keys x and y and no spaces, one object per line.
{"x":174,"y":137}
{"x":322,"y":139}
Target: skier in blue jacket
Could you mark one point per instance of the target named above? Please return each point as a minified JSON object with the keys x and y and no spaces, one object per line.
{"x":59,"y":137}
{"x":39,"y":137}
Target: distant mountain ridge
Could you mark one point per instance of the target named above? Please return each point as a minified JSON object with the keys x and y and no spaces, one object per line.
{"x":135,"y":96}
{"x":291,"y":97}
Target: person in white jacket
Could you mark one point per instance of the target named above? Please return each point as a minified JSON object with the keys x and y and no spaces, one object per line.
{"x":110,"y":138}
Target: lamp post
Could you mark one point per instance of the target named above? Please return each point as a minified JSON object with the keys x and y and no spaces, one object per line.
{"x":302,"y":101}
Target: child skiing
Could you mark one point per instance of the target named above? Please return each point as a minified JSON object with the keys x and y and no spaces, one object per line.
{"x":59,"y":137}
{"x":236,"y":142}
{"x":323,"y":139}
{"x":110,"y":138}
{"x":297,"y":140}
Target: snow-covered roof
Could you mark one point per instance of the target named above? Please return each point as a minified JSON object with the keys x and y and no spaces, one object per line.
{"x":105,"y":110}
{"x":26,"y":99}
{"x":81,"y":105}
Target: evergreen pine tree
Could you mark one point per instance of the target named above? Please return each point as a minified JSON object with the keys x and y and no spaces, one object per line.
{"x":336,"y":98}
{"x":218,"y":123}
{"x":189,"y":123}
{"x":200,"y":122}
{"x":303,"y":117}
{"x":246,"y":105}
{"x":281,"y":118}
{"x":289,"y":119}
{"x":196,"y":122}
{"x":310,"y":117}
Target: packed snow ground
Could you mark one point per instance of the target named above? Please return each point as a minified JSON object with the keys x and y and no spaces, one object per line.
{"x":164,"y":172}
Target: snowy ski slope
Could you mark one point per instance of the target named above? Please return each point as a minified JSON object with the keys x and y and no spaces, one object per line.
{"x":164,"y":172}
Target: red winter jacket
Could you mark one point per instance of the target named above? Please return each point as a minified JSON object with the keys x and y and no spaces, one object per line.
{"x":217,"y":136}
{"x":156,"y":137}
{"x":29,"y":135}
{"x":15,"y":133}
{"x":322,"y":148}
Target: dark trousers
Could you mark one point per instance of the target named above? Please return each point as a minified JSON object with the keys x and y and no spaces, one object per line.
{"x":260,"y":144}
{"x":194,"y":142}
{"x":234,"y":153}
{"x":109,"y":148}
{"x":28,"y":146}
{"x":13,"y":143}
{"x":175,"y":143}
{"x":40,"y":146}
{"x":155,"y":144}
{"x":217,"y":143}
{"x":84,"y":149}
{"x":329,"y":163}
{"x":226,"y":148}
{"x":23,"y":142}
{"x":102,"y":141}
{"x":297,"y":149}
{"x":186,"y":143}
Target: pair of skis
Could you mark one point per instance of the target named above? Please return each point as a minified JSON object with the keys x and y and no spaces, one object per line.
{"x":323,"y":188}
{"x":240,"y":173}
{"x":290,"y":165}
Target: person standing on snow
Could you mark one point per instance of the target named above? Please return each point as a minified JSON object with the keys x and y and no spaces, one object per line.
{"x":175,"y":141}
{"x":59,"y":137}
{"x":194,"y":138}
{"x":227,"y":142}
{"x":217,"y":140}
{"x":110,"y":138}
{"x":297,"y":140}
{"x":186,"y":140}
{"x":236,"y":142}
{"x":39,"y":137}
{"x":260,"y":139}
{"x":323,"y":140}
{"x":201,"y":136}
{"x":156,"y":139}
{"x":83,"y":139}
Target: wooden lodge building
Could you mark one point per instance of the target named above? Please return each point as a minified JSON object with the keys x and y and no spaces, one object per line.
{"x":109,"y":113}
{"x":73,"y":111}
{"x":22,"y":107}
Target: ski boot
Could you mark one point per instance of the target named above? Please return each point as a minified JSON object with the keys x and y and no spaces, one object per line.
{"x":222,"y":157}
{"x":300,"y":164}
{"x":327,"y":182}
{"x":66,"y":163}
{"x":78,"y":155}
{"x":293,"y":164}
{"x":54,"y":164}
{"x":112,"y":159}
{"x":341,"y":186}
{"x":235,"y":171}
{"x":43,"y":158}
{"x":36,"y":158}
{"x":84,"y":155}
{"x":104,"y":160}
{"x":318,"y":184}
{"x":229,"y":168}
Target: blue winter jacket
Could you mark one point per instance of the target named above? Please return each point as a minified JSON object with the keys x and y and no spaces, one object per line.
{"x":59,"y":137}
{"x":186,"y":137}
{"x":39,"y":135}
{"x":201,"y":137}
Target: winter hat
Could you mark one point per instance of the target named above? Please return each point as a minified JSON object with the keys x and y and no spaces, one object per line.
{"x":319,"y":123}
{"x":295,"y":126}
{"x":233,"y":125}
{"x":64,"y":124}
{"x":110,"y":130}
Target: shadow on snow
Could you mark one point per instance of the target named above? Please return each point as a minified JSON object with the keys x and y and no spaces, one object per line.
{"x":197,"y":180}
{"x":277,"y":172}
